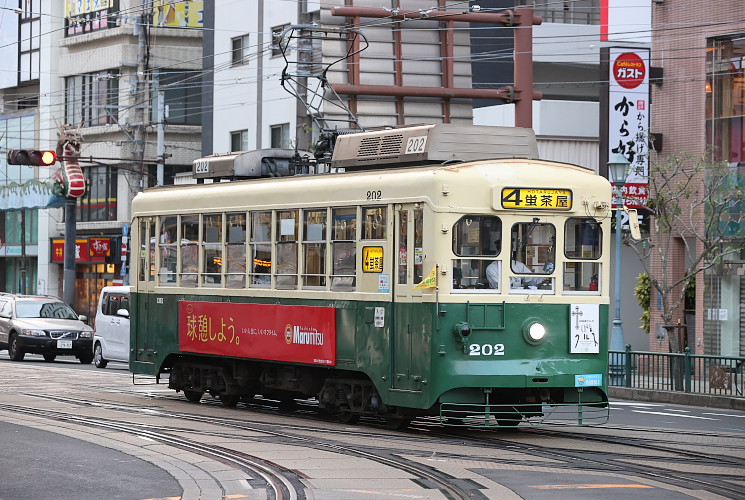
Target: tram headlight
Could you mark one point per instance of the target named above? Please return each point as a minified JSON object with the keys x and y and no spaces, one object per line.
{"x":534,"y":331}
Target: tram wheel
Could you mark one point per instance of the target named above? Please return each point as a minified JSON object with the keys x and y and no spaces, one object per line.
{"x":397,"y":423}
{"x":229,"y":401}
{"x":193,"y":396}
{"x":508,"y":419}
{"x":49,"y":357}
{"x":347,"y":417}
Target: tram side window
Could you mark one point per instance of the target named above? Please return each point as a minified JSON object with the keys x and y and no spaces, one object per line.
{"x":147,"y":254}
{"x":260,"y":268}
{"x":582,"y":244}
{"x":477,"y":239}
{"x":189,"y":250}
{"x":287,"y":249}
{"x":533,"y":252}
{"x":212,"y":256}
{"x":374,"y":223}
{"x":314,"y":249}
{"x":168,"y":250}
{"x":235,"y":274}
{"x":343,"y":246}
{"x":143,"y":250}
{"x":418,"y":248}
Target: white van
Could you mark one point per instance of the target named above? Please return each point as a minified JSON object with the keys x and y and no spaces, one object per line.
{"x":111,"y":337}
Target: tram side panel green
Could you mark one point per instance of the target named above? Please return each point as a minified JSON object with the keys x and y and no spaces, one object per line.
{"x":439,"y":362}
{"x":156,"y":335}
{"x":522,"y":365}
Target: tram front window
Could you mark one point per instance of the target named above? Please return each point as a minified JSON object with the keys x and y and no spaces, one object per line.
{"x":477,"y":239}
{"x":533,"y":253}
{"x":583,"y":239}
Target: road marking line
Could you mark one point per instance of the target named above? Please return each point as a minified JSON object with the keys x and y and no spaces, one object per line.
{"x":724,"y":415}
{"x":673,"y":414}
{"x":587,"y":486}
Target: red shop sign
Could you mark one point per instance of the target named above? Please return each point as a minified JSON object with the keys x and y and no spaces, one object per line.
{"x":298,"y":334}
{"x":99,"y":247}
{"x":81,"y":251}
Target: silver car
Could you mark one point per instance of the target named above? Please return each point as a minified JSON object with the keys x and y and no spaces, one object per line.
{"x":41,"y":324}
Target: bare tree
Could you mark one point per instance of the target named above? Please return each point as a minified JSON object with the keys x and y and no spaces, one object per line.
{"x":696,"y":201}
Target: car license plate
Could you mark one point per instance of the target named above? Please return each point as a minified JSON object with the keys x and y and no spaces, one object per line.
{"x":64,"y":344}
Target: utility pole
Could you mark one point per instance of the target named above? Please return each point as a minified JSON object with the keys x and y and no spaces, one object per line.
{"x":161,"y":137}
{"x":140,"y":96}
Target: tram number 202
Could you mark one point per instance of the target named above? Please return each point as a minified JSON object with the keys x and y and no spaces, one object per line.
{"x":486,"y":350}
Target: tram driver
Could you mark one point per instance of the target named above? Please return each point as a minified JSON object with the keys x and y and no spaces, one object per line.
{"x":493,"y":276}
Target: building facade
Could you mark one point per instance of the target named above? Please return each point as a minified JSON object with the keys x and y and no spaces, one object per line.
{"x":698,"y":106}
{"x":98,"y":68}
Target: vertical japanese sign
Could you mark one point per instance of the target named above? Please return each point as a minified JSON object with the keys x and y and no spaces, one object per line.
{"x":628,"y":119}
{"x":584,"y":328}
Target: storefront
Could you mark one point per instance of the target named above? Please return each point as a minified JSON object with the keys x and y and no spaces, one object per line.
{"x":98,"y":264}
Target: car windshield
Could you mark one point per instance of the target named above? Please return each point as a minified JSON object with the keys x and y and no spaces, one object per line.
{"x":40,"y":309}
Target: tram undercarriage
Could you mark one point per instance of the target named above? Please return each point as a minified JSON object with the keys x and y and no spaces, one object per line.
{"x":348,"y":396}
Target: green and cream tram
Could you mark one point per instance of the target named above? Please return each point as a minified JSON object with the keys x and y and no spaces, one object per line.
{"x":446,"y":273}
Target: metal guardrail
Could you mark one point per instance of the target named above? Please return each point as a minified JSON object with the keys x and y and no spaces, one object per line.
{"x":686,"y":372}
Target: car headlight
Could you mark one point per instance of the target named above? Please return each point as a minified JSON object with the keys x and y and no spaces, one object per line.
{"x":86,"y":335}
{"x":534,"y":331}
{"x":34,"y":333}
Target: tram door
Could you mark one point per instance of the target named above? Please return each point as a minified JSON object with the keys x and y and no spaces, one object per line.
{"x":143,"y":332}
{"x":409,"y":343}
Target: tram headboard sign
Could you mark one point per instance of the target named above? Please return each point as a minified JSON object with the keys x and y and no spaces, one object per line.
{"x":298,"y":334}
{"x":525,"y":198}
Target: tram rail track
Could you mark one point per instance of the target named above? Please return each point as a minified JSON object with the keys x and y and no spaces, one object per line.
{"x":275,"y":475}
{"x":567,"y":457}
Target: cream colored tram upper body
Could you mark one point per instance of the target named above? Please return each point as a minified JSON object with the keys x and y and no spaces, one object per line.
{"x":445,"y":193}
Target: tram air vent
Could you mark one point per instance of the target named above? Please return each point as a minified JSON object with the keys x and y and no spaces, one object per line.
{"x":428,"y":144}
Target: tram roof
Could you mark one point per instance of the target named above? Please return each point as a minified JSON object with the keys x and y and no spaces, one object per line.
{"x":463,"y":185}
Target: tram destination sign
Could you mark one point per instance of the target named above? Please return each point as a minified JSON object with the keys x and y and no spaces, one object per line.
{"x":528,"y":198}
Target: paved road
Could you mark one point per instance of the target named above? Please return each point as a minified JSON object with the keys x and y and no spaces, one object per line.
{"x":38,"y":464}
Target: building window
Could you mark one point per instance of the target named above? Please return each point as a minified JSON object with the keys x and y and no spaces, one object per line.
{"x":239,"y":50}
{"x":276,"y":39}
{"x":99,"y":202}
{"x":281,"y":136}
{"x":92,"y":99}
{"x":29,"y":37}
{"x":183,"y":97}
{"x":567,"y":11}
{"x":725,"y":99}
{"x":239,"y":141}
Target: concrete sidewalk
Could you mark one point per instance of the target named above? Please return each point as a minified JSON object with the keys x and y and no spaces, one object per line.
{"x":678,"y":398}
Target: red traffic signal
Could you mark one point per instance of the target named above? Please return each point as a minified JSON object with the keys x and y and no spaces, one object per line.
{"x":39,"y":158}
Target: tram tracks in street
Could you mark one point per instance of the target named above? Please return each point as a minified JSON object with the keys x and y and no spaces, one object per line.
{"x":657,"y":462}
{"x":281,"y":484}
{"x":280,"y":479}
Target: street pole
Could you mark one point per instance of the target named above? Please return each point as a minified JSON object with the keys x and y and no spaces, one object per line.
{"x":68,"y":278}
{"x":618,"y":169}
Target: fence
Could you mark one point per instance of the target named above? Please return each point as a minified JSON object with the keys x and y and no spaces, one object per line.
{"x":686,"y":372}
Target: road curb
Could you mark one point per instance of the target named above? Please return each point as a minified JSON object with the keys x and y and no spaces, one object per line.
{"x":680,"y":398}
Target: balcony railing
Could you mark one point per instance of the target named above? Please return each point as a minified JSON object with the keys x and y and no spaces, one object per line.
{"x":686,"y":372}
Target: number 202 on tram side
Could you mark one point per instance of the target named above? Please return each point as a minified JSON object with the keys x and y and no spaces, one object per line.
{"x":475,"y":292}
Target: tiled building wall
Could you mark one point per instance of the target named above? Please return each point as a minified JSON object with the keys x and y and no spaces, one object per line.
{"x":681,"y":29}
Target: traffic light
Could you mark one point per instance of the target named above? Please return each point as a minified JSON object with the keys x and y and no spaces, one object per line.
{"x":39,"y":158}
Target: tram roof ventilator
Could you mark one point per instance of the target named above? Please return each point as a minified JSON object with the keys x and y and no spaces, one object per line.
{"x":432,"y":144}
{"x":395,"y":147}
